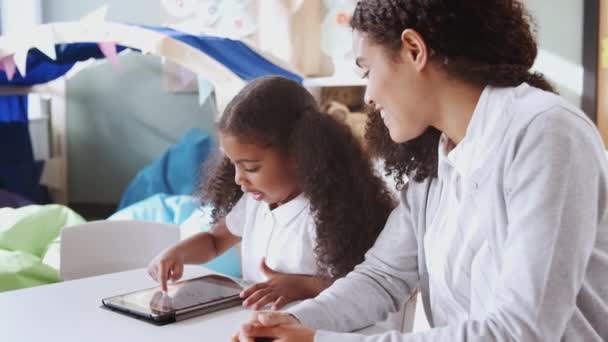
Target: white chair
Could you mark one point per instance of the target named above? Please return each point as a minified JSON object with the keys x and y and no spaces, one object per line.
{"x":101,"y":247}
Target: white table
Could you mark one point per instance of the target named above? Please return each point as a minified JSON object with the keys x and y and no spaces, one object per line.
{"x":70,"y":311}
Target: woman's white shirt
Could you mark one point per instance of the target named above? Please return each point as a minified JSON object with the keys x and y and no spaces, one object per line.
{"x":285,"y":236}
{"x":456,"y":224}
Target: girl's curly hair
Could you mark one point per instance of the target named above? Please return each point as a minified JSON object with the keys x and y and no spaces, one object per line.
{"x":481,"y":42}
{"x":350,"y":203}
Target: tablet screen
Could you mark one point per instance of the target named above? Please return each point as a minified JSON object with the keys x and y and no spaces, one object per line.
{"x":179,"y":296}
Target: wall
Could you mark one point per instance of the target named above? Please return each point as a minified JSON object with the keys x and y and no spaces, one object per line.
{"x":560,"y":38}
{"x":128,"y":11}
{"x":118,"y":121}
{"x":29,"y":14}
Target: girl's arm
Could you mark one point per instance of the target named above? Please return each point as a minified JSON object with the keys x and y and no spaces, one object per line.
{"x":197,"y":249}
{"x":206,"y":246}
{"x":283,"y":288}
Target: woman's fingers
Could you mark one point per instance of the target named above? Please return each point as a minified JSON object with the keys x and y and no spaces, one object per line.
{"x":280,"y":302}
{"x":262,"y":333}
{"x":239,"y":337}
{"x":273,"y":318}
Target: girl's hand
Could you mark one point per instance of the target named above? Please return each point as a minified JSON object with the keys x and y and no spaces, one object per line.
{"x":280,"y":289}
{"x":167,"y":265}
{"x":274,"y":326}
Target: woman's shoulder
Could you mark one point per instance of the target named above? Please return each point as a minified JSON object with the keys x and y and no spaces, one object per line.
{"x":529,"y":105}
{"x":543,"y":124}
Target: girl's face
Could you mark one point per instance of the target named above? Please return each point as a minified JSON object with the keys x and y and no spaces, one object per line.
{"x":395,"y":87}
{"x":263,"y":172}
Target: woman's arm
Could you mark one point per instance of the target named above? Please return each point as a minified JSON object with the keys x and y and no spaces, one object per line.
{"x":386,"y":278}
{"x":557,"y":197}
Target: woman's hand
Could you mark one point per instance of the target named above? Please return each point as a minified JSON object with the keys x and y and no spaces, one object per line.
{"x":274,"y":326}
{"x":167,"y":265}
{"x":280,"y":289}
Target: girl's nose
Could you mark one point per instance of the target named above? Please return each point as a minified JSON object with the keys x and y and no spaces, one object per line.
{"x":238,"y":176}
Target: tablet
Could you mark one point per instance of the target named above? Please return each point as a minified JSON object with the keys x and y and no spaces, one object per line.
{"x":184,"y":299}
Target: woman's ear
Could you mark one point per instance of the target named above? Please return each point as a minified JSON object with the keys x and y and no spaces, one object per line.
{"x":413,"y":49}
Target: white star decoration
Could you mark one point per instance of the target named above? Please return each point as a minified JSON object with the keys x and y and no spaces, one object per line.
{"x":97,"y":16}
{"x":42,"y":38}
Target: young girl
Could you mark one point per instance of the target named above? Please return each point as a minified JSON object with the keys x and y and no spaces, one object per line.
{"x":503,"y":225}
{"x":294,"y":187}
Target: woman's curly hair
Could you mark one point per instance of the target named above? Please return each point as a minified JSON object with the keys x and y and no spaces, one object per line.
{"x":350,"y":203}
{"x":481,"y":42}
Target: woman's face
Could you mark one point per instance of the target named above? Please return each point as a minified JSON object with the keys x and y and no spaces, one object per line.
{"x":395,"y":87}
{"x":263,"y":172}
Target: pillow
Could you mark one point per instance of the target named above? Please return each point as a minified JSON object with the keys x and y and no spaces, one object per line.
{"x":175,"y":173}
{"x":30,"y":242}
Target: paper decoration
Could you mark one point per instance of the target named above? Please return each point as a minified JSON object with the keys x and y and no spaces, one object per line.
{"x":180,"y":8}
{"x":20,"y":59}
{"x":205,"y":89}
{"x":235,"y":21}
{"x":109,"y":51}
{"x":44,"y":39}
{"x":185,"y":77}
{"x":208,"y":11}
{"x":8,"y":65}
{"x":336,"y":36}
{"x":228,"y":18}
{"x":99,"y":15}
{"x":45,"y":42}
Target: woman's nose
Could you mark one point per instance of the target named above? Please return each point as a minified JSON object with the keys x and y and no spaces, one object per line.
{"x":368,"y":100}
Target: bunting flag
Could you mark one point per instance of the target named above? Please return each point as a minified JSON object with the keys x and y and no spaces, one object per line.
{"x":109,"y":51}
{"x":97,"y":16}
{"x":45,"y":42}
{"x":42,"y":40}
{"x":185,"y":76}
{"x":7,"y":64}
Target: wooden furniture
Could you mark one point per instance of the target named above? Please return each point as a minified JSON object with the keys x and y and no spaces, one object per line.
{"x":602,"y":71}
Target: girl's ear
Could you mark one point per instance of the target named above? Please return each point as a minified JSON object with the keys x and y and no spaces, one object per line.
{"x":413,"y":49}
{"x":291,"y":162}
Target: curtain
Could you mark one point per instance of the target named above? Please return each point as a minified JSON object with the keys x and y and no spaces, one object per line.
{"x":19,"y":173}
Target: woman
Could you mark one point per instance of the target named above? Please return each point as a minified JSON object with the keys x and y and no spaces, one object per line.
{"x":503,"y":224}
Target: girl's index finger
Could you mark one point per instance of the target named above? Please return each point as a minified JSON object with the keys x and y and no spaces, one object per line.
{"x":164,"y":276}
